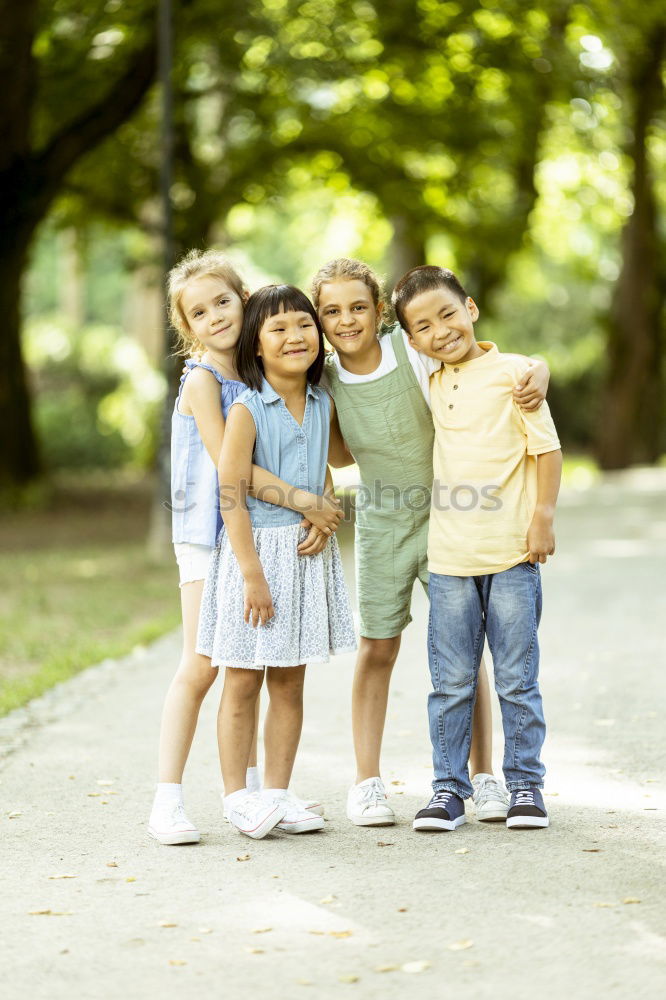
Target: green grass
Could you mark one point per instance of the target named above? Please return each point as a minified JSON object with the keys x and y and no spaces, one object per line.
{"x":77,"y":586}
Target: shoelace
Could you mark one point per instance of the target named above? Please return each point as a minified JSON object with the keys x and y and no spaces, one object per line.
{"x":525,"y":797}
{"x":487,"y":789}
{"x":373,"y":793}
{"x":178,"y":814}
{"x":440,"y":799}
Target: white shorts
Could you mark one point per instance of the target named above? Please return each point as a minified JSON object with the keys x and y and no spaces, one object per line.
{"x":192,"y":561}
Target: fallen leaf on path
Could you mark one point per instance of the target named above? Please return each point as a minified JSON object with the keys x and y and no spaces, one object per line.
{"x":243,"y":857}
{"x":318,"y":933}
{"x":553,"y":795}
{"x":403,"y":909}
{"x":348,"y":979}
{"x":205,"y":930}
{"x":112,"y":864}
{"x":415,"y":966}
{"x":304,"y":982}
{"x":255,"y":951}
{"x":631,"y":899}
{"x":591,"y":850}
{"x":198,"y":940}
{"x":385,"y":843}
{"x":94,"y":795}
{"x":261,"y":930}
{"x":177,"y":961}
{"x":462,"y":850}
{"x":386,"y":968}
{"x":340,"y":934}
{"x":130,"y":878}
{"x":328,"y":899}
{"x":15,"y":814}
{"x":460,"y":945}
{"x":64,"y":875}
{"x":50,"y":913}
{"x":166,"y":923}
{"x":397,"y":782}
{"x":603,"y":906}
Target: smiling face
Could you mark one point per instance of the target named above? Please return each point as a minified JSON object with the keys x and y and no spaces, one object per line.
{"x":213,"y":312}
{"x":288,"y":343}
{"x":441,"y":325}
{"x":349,"y":316}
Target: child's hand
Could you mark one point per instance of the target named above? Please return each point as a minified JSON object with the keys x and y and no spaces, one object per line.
{"x":315,"y":542}
{"x":540,"y":538}
{"x":531,"y":391}
{"x":323,"y":512}
{"x":258,"y":601}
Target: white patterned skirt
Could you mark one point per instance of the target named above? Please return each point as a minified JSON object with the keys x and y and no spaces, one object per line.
{"x":313,"y":616}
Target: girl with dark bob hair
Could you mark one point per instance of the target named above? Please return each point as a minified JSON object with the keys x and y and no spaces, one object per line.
{"x":266,"y":609}
{"x":262,"y":305}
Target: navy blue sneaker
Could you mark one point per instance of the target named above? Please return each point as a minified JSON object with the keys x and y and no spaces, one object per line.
{"x":445,"y":811}
{"x":526,"y":810}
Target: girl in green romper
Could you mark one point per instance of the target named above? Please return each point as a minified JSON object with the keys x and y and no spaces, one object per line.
{"x":380,"y":388}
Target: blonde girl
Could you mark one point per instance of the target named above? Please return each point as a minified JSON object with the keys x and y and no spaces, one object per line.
{"x":206,"y":299}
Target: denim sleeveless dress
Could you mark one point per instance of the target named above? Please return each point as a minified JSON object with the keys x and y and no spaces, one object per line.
{"x":195,"y":503}
{"x":313,"y":616}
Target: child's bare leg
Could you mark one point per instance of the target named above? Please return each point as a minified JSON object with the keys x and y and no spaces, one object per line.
{"x":374,"y":666}
{"x":186,"y":692}
{"x":252,"y":760}
{"x":236,"y":724}
{"x":481,"y":751}
{"x":284,"y":720}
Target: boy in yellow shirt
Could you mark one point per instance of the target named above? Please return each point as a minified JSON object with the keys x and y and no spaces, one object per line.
{"x":496,"y":479}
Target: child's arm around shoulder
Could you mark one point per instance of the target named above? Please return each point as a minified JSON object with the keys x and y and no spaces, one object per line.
{"x":235,"y":473}
{"x":532,"y":386}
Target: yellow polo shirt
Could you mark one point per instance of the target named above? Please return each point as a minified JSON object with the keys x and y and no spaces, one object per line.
{"x":484,"y":465}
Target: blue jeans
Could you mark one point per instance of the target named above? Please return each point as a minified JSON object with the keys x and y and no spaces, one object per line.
{"x":463,"y":610}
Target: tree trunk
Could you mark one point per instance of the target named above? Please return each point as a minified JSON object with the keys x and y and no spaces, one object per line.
{"x":407,"y":248}
{"x":632,"y":401}
{"x":19,"y":458}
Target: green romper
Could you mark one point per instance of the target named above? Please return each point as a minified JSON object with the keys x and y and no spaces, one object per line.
{"x":388,"y":429}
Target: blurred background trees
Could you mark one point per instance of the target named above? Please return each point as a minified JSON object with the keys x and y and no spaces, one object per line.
{"x":522,"y":144}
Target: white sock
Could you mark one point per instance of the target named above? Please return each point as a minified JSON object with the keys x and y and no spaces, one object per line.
{"x":233,"y":797}
{"x":168,"y":791}
{"x":253,"y":779}
{"x":274,"y":793}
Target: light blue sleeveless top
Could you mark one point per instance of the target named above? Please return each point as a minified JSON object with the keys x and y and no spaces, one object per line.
{"x":297,"y":455}
{"x":195,"y":498}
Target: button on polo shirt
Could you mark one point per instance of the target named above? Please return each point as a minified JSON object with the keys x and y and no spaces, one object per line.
{"x":484,"y":463}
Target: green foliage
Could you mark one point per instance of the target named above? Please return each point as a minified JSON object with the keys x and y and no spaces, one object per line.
{"x":98,"y":398}
{"x":489,"y":138}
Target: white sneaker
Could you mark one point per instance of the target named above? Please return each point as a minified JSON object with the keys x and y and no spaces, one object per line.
{"x":254,"y":779}
{"x":313,"y":806}
{"x":297,"y":818}
{"x":490,"y":798}
{"x":256,"y":815}
{"x":169,"y":824}
{"x":367,"y":804}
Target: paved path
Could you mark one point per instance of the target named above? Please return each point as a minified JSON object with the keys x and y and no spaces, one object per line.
{"x":576,"y":911}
